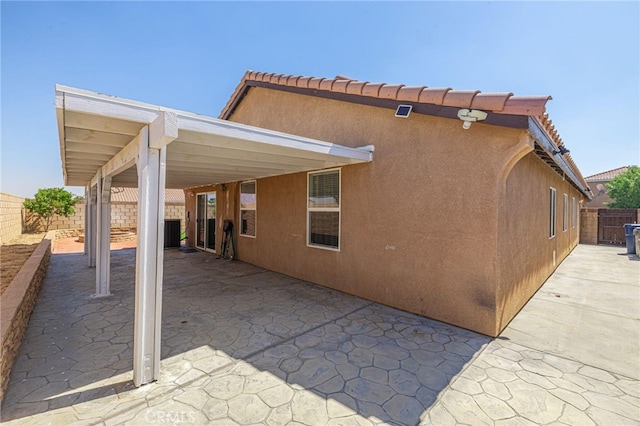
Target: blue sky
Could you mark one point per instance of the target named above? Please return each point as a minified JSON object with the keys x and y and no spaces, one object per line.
{"x":191,"y":56}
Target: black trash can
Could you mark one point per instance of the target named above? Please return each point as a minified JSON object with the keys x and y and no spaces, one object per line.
{"x":171,"y":233}
{"x":628,"y":233}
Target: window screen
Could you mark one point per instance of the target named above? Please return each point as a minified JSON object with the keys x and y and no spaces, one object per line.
{"x":248,"y":202}
{"x":565,"y":213}
{"x":552,"y":212}
{"x":323,"y":209}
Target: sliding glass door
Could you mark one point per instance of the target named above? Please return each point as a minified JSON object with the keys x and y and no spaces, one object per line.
{"x":206,"y":221}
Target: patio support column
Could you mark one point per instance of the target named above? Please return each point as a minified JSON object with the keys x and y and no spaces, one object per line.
{"x":90,"y":227}
{"x":151,"y":164}
{"x":87,"y":196}
{"x":103,"y":239}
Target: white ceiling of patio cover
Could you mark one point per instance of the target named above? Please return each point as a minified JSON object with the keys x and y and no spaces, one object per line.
{"x":93,"y":128}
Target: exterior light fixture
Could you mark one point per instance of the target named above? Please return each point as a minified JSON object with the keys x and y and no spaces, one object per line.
{"x":561,"y":150}
{"x":403,"y":111}
{"x":471,"y":115}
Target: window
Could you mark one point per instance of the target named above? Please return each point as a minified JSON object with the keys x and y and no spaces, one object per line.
{"x":552,"y":212}
{"x":323,"y":209}
{"x":248,"y":208}
{"x":565,"y":213}
{"x":574,"y":212}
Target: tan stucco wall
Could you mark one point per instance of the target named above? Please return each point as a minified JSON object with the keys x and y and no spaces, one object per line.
{"x":419,"y":224}
{"x":527,"y":255}
{"x":10,"y":216}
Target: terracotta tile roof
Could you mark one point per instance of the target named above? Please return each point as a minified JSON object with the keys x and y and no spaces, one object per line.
{"x":608,"y":175}
{"x":500,"y":103}
{"x":130,"y":195}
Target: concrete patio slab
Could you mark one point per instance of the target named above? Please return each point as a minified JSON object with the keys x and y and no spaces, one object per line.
{"x":588,"y":311}
{"x":243,"y":345}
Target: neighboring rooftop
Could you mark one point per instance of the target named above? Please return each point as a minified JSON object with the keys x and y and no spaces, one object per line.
{"x":130,"y":195}
{"x":608,"y":175}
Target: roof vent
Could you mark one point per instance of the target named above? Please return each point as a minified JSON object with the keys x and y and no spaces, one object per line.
{"x":403,"y":111}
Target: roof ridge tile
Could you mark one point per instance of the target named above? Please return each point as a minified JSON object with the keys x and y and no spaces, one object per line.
{"x":459,"y":98}
{"x":502,"y":103}
{"x":410,"y":93}
{"x":314,"y":83}
{"x":389,"y":91}
{"x":355,"y":87}
{"x":372,"y":89}
{"x":327,"y":84}
{"x":433,"y":95}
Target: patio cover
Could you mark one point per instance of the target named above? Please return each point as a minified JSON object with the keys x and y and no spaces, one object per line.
{"x":107,"y":141}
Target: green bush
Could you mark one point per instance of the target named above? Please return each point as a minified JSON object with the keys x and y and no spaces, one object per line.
{"x":49,"y":202}
{"x":625,"y":189}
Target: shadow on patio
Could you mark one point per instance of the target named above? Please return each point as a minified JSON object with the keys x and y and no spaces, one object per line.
{"x":239,"y":343}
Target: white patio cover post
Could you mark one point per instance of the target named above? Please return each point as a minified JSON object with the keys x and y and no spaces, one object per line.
{"x":103,"y":234}
{"x":93,"y":127}
{"x":87,"y":197}
{"x":151,"y":164}
{"x":90,"y":227}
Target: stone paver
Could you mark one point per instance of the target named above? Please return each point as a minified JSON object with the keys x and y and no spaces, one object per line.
{"x":242,"y":345}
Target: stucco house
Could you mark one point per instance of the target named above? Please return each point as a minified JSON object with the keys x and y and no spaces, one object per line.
{"x":460,"y":225}
{"x":599,"y":224}
{"x":455,"y":205}
{"x":598,"y":185}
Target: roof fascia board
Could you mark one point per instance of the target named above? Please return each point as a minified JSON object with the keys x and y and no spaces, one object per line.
{"x":541,"y":136}
{"x":229,"y":129}
{"x":105,"y":107}
{"x":61,"y":132}
{"x":505,"y":120}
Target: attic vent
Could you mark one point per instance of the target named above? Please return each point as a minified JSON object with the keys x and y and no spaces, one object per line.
{"x":403,"y":111}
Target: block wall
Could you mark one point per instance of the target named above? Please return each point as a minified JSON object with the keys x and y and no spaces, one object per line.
{"x":589,"y":226}
{"x":10,"y":216}
{"x":123,"y":215}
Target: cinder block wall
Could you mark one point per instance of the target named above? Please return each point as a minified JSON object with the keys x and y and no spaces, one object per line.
{"x":10,"y":216}
{"x":123,"y":215}
{"x":589,"y":226}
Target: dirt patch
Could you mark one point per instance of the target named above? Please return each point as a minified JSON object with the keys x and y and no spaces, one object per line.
{"x":13,"y":254}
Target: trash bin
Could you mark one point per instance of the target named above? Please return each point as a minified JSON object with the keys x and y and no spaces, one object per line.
{"x":636,"y":232}
{"x":628,"y":232}
{"x":171,"y":233}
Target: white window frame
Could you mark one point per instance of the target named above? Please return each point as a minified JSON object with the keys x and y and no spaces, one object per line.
{"x":565,"y":213}
{"x":325,"y":209}
{"x":574,"y":212}
{"x":552,"y":212}
{"x":255,"y":209}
